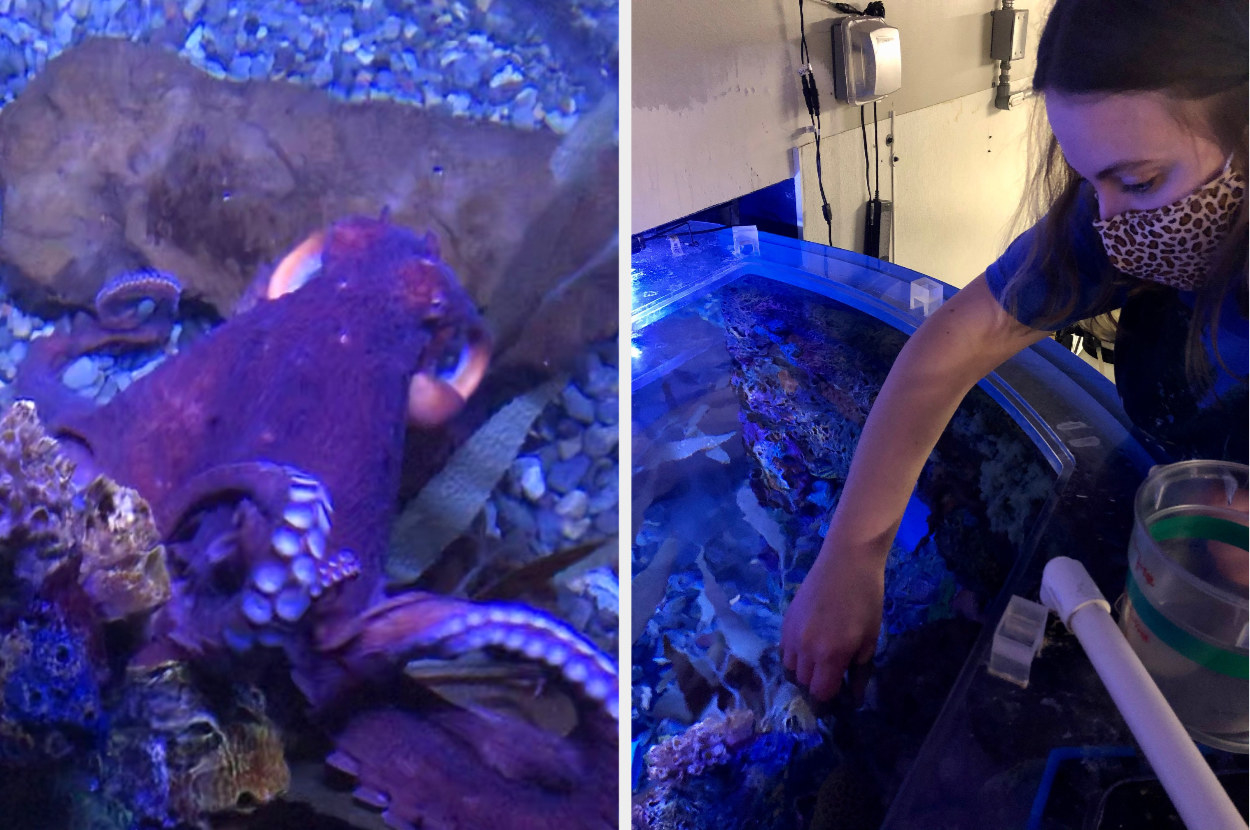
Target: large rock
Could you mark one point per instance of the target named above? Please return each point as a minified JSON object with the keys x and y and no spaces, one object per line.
{"x":120,"y":155}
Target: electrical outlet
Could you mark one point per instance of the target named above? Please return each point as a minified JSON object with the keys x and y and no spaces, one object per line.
{"x":1007,"y":34}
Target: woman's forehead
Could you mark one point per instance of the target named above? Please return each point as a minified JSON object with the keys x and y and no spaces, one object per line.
{"x":1097,"y":132}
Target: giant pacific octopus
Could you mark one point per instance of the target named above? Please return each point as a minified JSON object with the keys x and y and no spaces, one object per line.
{"x":270,"y":454}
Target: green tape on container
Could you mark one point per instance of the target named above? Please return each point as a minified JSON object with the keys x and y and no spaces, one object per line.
{"x":1181,"y":641}
{"x":1201,"y":527}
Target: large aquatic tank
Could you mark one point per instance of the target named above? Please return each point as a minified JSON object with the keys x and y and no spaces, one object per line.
{"x":308,"y":413}
{"x":755,"y":359}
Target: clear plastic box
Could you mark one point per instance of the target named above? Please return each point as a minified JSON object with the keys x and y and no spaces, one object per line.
{"x":1017,"y":640}
{"x":926,"y":294}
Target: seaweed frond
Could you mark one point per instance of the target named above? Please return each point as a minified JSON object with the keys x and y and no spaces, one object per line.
{"x":449,"y":502}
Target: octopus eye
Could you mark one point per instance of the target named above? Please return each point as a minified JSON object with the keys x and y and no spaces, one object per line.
{"x":452,"y":360}
{"x":448,"y":376}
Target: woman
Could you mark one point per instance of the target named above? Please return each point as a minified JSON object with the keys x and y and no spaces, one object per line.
{"x":1145,"y":181}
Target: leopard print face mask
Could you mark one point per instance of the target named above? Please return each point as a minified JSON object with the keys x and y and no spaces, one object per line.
{"x":1172,"y":244}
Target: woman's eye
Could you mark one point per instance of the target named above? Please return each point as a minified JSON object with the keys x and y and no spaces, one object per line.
{"x":1138,"y":188}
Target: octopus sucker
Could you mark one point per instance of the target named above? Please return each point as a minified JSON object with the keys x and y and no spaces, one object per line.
{"x":395,"y":821}
{"x":256,"y":608}
{"x":291,"y":604}
{"x":237,"y":639}
{"x":340,"y":567}
{"x":343,"y":762}
{"x":534,"y":649}
{"x":298,"y":516}
{"x":269,"y":577}
{"x":372,"y":797}
{"x":287,"y":542}
{"x":316,"y":541}
{"x":554,"y":654}
{"x":304,"y":569}
{"x":305,"y":489}
{"x":323,"y":512}
{"x":598,"y":689}
{"x":552,"y":643}
{"x":577,"y":671}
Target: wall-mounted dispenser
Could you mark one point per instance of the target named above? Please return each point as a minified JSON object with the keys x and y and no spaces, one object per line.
{"x":867,"y":60}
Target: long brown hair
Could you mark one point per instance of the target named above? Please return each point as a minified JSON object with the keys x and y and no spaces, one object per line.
{"x":1117,"y":46}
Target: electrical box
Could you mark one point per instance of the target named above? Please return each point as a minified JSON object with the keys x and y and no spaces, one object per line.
{"x":1007,"y":30}
{"x":867,"y":60}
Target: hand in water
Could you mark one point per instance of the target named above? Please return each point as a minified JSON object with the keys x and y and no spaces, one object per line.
{"x":833,"y":622}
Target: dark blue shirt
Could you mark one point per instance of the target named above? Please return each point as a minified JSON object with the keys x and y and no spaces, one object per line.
{"x":1174,"y":420}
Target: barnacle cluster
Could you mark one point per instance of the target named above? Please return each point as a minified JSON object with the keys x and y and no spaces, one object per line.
{"x":123,"y":561}
{"x":706,"y":744}
{"x":722,"y":772}
{"x":105,"y":531}
{"x":37,"y":511}
{"x":165,"y":751}
{"x":177,"y":754}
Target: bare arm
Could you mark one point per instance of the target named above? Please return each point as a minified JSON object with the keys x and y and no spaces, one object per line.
{"x":836,"y":613}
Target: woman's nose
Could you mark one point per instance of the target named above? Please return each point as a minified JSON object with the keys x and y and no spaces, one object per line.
{"x":1110,"y":203}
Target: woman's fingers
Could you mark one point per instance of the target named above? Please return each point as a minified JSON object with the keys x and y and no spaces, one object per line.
{"x":826,"y":680}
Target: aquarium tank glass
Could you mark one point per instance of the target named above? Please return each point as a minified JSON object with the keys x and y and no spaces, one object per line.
{"x":755,"y":360}
{"x":308,"y":414}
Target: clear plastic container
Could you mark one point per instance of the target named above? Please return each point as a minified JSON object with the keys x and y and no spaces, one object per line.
{"x":1017,"y":640}
{"x":1185,"y":609}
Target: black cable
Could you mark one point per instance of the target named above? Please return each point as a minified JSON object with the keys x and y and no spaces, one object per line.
{"x":679,"y":227}
{"x":864,"y":132}
{"x":825,"y":210}
{"x":873,"y":10}
{"x":802,"y":37}
{"x":812,"y":99}
{"x":876,"y":149}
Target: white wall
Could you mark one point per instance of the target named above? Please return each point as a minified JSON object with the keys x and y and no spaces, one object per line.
{"x":717,"y":112}
{"x":960,"y":173}
{"x":716,"y":102}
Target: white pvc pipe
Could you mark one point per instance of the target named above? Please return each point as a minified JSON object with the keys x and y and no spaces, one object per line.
{"x":1068,"y":590}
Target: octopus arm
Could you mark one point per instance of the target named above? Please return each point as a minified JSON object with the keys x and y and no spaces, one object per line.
{"x":445,"y":767}
{"x":428,"y":624}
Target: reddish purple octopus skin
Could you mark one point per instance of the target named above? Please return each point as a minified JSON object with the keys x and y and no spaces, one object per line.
{"x":278,"y":439}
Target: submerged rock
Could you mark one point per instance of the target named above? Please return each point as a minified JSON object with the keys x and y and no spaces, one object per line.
{"x":183,"y":187}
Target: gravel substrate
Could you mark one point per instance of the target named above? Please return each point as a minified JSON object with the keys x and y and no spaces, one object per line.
{"x":563,"y":488}
{"x":97,"y":376}
{"x":529,"y":63}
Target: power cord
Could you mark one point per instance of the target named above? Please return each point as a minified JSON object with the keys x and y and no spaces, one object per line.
{"x":812,"y":99}
{"x":863,"y":131}
{"x":680,"y":227}
{"x":873,"y":9}
{"x":876,"y":148}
